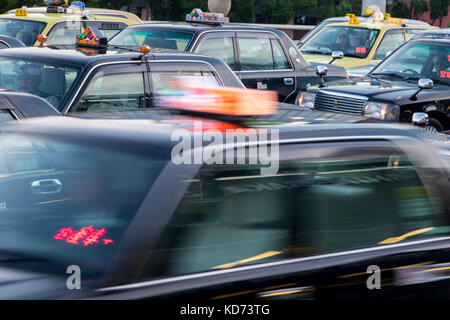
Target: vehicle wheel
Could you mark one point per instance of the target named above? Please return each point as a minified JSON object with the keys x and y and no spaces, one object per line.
{"x":433,"y":126}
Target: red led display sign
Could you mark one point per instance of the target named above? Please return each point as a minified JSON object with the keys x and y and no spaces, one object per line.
{"x":86,"y":236}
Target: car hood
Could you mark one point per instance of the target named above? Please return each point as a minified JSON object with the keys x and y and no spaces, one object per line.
{"x":398,"y":92}
{"x":347,"y":62}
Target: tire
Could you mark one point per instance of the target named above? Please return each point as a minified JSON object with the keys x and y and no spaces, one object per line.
{"x":434,"y":124}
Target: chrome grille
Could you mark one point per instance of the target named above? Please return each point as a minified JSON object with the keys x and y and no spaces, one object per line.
{"x":339,"y":103}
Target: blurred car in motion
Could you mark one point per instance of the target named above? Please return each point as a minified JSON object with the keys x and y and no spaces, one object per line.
{"x":360,"y":42}
{"x":60,"y":27}
{"x":109,"y":198}
{"x":263,"y":58}
{"x":415,"y":78}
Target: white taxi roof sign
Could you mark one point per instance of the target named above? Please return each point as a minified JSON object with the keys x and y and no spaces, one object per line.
{"x":198,"y":16}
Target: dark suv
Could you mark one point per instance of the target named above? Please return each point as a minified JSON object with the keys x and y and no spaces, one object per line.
{"x":415,"y":78}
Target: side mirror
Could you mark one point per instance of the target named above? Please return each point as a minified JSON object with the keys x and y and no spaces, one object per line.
{"x":423,"y":84}
{"x":336,"y":55}
{"x":420,"y":119}
{"x":321,"y":71}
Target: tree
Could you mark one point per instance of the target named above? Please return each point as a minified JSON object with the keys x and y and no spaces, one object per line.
{"x":6,"y":5}
{"x":334,"y":8}
{"x":400,"y":10}
{"x":417,"y":8}
{"x":242,"y":11}
{"x":276,"y":11}
{"x":438,"y":10}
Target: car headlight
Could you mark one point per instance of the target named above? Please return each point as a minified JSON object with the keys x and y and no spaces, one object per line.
{"x":381,"y":111}
{"x":306,"y":99}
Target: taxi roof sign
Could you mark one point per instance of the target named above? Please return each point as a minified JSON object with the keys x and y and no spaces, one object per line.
{"x":91,"y":37}
{"x":198,"y":16}
{"x":369,"y":11}
{"x":395,"y":21}
{"x":21,"y":12}
{"x":56,"y":2}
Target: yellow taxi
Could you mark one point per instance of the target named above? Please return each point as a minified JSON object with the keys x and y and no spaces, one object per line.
{"x":360,"y":42}
{"x":60,"y":24}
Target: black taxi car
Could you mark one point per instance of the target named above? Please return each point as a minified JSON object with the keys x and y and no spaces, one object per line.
{"x":75,"y":80}
{"x":415,"y":78}
{"x":106,"y":209}
{"x":263,"y":58}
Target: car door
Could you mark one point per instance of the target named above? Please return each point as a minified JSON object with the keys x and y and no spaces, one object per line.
{"x":264,"y":64}
{"x":338,"y":220}
{"x":30,"y":177}
{"x":115,"y":86}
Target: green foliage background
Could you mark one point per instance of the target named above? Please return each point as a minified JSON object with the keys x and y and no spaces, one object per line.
{"x":268,"y":11}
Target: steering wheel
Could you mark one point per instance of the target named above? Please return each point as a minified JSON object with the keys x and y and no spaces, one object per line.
{"x":414,"y":72}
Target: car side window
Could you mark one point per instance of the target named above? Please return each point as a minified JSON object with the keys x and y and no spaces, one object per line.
{"x":392,"y":39}
{"x":280,"y":59}
{"x":116,"y":91}
{"x":5,"y":115}
{"x":255,"y":53}
{"x":218,"y":47}
{"x":331,"y":200}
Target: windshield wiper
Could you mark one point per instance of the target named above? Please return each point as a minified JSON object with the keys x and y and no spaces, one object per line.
{"x":315,"y":52}
{"x":129,"y":49}
{"x":389,"y":74}
{"x":353,"y":55}
{"x":439,"y":81}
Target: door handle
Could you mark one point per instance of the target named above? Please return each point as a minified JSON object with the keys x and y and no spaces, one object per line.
{"x":289,"y":81}
{"x":46,"y":186}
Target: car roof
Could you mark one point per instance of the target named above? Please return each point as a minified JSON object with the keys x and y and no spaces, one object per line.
{"x":55,"y":17}
{"x":91,"y":11}
{"x":73,"y":57}
{"x":365,"y":19}
{"x":199,"y":27}
{"x":28,"y":104}
{"x":444,"y":41}
{"x":434,"y":32}
{"x":376,"y":25}
{"x":149,"y":131}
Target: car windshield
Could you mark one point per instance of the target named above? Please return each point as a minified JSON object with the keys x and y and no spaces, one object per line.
{"x":352,"y":41}
{"x":23,"y":30}
{"x":163,"y":39}
{"x":47,"y":80}
{"x":66,"y":200}
{"x":418,"y":60}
